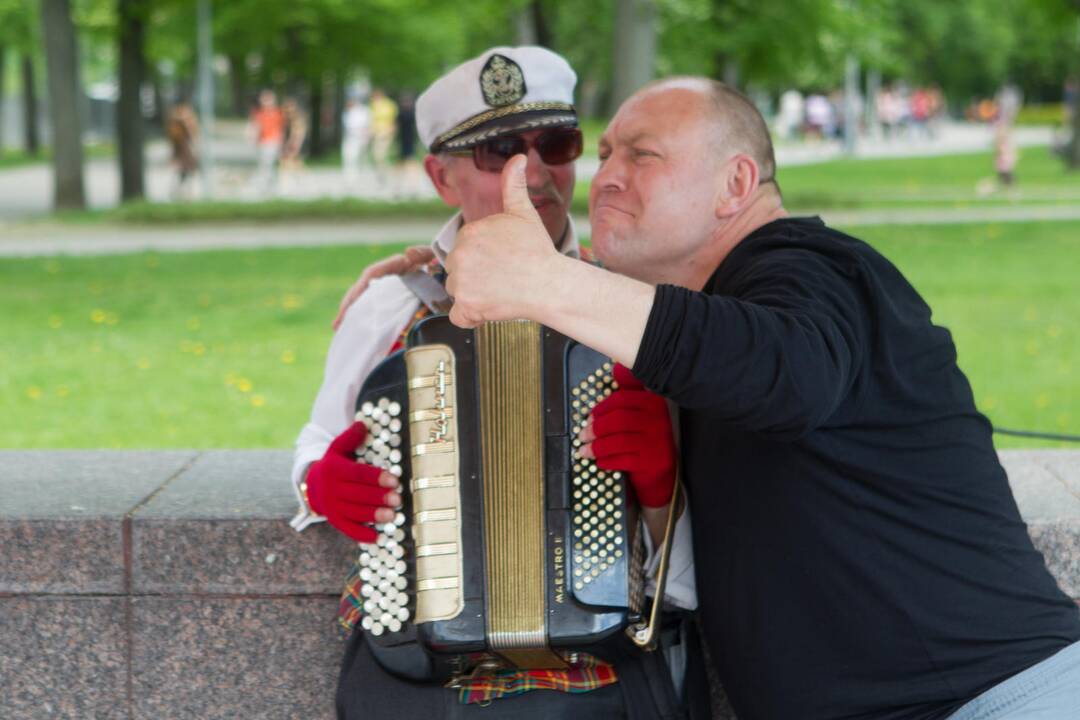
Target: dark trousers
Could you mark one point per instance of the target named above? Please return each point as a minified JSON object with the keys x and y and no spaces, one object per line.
{"x":644,"y":692}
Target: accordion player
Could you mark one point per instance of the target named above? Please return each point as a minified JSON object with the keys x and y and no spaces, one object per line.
{"x":509,"y":549}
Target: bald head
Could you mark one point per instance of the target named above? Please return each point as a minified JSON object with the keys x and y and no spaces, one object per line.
{"x":738,"y":126}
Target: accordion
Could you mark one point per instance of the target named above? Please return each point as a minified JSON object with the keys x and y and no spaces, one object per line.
{"x":509,"y":550}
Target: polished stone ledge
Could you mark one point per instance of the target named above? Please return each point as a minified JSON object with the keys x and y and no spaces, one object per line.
{"x":140,"y":584}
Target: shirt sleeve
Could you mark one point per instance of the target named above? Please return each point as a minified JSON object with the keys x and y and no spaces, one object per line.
{"x":680,"y":589}
{"x":369,"y":330}
{"x":778,"y":355}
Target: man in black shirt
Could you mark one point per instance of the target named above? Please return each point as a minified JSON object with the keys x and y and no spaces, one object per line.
{"x":859,"y":552}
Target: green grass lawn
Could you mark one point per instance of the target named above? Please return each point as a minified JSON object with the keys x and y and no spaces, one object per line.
{"x":18,"y":158}
{"x":949,"y":181}
{"x":226,"y":349}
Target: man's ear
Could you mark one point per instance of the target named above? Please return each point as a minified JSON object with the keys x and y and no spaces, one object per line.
{"x":437,"y":169}
{"x":738,"y":181}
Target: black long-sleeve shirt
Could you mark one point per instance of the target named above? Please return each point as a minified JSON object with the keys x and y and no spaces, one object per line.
{"x":859,"y":552}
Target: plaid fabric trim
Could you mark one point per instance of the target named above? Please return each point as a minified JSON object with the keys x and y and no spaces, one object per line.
{"x":587,"y":674}
{"x":422,"y":313}
{"x":352,"y":602}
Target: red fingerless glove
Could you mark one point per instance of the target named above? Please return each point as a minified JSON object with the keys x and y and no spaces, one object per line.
{"x":345,"y":491}
{"x":633,"y":434}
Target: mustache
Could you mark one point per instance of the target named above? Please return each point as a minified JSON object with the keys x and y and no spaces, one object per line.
{"x":547,"y":191}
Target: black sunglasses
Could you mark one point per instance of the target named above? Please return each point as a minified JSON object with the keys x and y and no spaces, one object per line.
{"x":557,"y":146}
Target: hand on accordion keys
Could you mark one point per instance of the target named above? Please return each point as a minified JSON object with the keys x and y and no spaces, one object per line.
{"x":630,"y":431}
{"x":349,"y":493}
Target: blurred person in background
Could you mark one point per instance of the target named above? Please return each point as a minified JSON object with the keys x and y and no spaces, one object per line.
{"x":383,"y":130}
{"x":410,"y":177}
{"x":296,"y":130}
{"x":789,"y":120}
{"x":267,"y":129}
{"x":820,"y":117}
{"x":355,"y":136}
{"x":922,"y":111}
{"x":182,"y":130}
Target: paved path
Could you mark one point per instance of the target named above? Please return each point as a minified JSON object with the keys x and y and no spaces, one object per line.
{"x":46,"y":239}
{"x":26,"y":192}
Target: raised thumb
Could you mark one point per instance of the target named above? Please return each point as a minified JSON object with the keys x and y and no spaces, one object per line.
{"x":515,"y":189}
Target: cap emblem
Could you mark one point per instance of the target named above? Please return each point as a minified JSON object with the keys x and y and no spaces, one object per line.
{"x":501,"y":81}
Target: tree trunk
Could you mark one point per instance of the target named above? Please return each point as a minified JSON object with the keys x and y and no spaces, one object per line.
{"x":316,"y":142}
{"x":3,"y":74}
{"x":159,"y":97}
{"x":31,"y":134}
{"x":541,"y":25}
{"x":62,"y":66}
{"x":238,"y":85}
{"x":524,"y":26}
{"x":129,"y":120}
{"x":1072,"y":154}
{"x":339,"y":108}
{"x":634,"y":47}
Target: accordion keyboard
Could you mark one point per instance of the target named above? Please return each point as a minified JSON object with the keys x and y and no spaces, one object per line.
{"x":597,"y":503}
{"x":382,"y":564}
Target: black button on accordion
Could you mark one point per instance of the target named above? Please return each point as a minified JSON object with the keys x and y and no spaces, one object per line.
{"x":509,"y":550}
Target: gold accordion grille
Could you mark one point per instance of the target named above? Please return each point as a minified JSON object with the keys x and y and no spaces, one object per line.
{"x":512,"y":451}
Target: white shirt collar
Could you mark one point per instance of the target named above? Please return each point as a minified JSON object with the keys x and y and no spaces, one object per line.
{"x":444,"y":240}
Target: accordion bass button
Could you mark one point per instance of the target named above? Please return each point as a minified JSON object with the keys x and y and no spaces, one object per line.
{"x":394,"y":409}
{"x":367,"y":408}
{"x":394,"y":625}
{"x":399,"y":519}
{"x":401,"y":583}
{"x":403,"y":614}
{"x":367,"y":622}
{"x":376,"y":629}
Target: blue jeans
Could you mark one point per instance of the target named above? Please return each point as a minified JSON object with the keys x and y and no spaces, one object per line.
{"x":1049,"y":690}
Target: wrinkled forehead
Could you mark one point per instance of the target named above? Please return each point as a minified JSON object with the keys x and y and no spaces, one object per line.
{"x":663,"y":113}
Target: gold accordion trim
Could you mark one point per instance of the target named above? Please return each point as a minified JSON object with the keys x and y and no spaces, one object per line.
{"x":436,"y":502}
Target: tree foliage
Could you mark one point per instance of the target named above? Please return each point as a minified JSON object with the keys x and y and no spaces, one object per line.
{"x":969,"y":47}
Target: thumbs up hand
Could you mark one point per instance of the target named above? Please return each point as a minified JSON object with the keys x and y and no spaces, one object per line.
{"x":501,"y":264}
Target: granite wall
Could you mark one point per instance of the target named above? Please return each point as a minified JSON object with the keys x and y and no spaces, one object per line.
{"x":151,"y":584}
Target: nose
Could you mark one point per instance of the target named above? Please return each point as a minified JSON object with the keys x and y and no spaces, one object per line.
{"x":537,"y":174}
{"x":611,"y":175}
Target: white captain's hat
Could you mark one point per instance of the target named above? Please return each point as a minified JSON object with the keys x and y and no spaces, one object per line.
{"x":504,"y":90}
